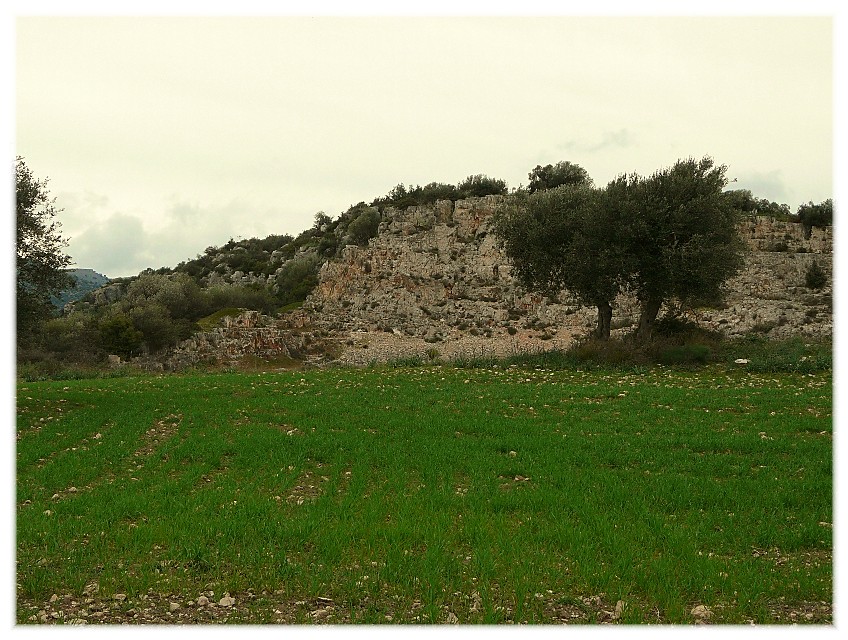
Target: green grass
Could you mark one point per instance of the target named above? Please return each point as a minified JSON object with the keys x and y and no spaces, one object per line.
{"x":211,"y":321}
{"x":492,"y":494}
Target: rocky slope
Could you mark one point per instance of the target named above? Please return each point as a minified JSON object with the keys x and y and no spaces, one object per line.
{"x":433,"y":281}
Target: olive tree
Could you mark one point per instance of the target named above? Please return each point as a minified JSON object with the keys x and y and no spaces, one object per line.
{"x":671,"y":236}
{"x":683,"y":238}
{"x":565,"y":238}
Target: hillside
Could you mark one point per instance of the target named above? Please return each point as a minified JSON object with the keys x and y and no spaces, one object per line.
{"x":433,"y":280}
{"x":87,"y":280}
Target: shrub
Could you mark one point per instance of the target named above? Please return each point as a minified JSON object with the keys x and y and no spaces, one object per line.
{"x":364,"y":227}
{"x":815,"y":278}
{"x":298,"y":278}
{"x":481,"y":185}
{"x":119,"y":335}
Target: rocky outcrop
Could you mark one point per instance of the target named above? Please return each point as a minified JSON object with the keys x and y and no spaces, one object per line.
{"x":281,"y":342}
{"x":435,"y":272}
{"x":434,"y":282}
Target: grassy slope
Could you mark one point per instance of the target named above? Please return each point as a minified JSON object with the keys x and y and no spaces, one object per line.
{"x":417,"y":494}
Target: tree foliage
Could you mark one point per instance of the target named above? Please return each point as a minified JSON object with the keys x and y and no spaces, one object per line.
{"x":555,"y":175}
{"x":684,"y":238}
{"x":747,"y":204}
{"x":476,"y":185}
{"x":364,"y":226}
{"x":40,"y":258}
{"x":671,"y":236}
{"x":564,"y":238}
{"x":815,"y":215}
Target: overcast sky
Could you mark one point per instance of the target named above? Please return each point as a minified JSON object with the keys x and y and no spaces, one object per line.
{"x":162,"y":136}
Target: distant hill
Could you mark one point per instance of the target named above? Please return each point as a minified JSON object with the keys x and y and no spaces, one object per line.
{"x":86,"y":280}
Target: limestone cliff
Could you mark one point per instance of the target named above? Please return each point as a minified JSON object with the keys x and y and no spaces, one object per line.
{"x":434,"y":279}
{"x":439,"y":267}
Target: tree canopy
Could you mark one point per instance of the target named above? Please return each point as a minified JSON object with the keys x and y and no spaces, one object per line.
{"x":683,"y":237}
{"x":40,"y":259}
{"x":672,"y":235}
{"x":561,"y":239}
{"x":815,"y":215}
{"x":556,"y":175}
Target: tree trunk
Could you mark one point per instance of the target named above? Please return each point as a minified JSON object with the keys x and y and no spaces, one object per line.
{"x":604,"y":320}
{"x":650,"y":309}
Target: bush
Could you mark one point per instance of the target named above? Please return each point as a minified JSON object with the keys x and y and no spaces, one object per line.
{"x":481,"y":185}
{"x":253,"y":296}
{"x":815,"y":277}
{"x":298,"y":278}
{"x":815,"y":215}
{"x":364,"y":227}
{"x":552,"y":176}
{"x":119,"y":335}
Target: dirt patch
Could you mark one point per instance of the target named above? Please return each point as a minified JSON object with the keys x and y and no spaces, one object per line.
{"x":160,"y":432}
{"x":308,"y":487}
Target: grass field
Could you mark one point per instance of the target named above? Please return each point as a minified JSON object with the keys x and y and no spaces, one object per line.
{"x":427,"y":494}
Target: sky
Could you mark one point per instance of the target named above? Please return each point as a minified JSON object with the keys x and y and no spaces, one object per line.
{"x":162,"y":136}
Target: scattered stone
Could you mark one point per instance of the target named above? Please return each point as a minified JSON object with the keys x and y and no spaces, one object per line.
{"x":476,"y":602}
{"x":91,"y":588}
{"x":174,"y":606}
{"x":54,"y":598}
{"x":120,"y":597}
{"x":451,"y":618}
{"x":320,"y":614}
{"x":227,"y":601}
{"x":702,"y":613}
{"x":619,"y":609}
{"x":741,"y":361}
{"x":202,"y":601}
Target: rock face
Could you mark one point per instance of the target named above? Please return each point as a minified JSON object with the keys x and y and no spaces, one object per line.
{"x":433,"y":270}
{"x":433,"y":280}
{"x":283,"y":341}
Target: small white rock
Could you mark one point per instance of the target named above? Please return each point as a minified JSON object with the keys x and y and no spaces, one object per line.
{"x":202,"y":601}
{"x":174,"y":606}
